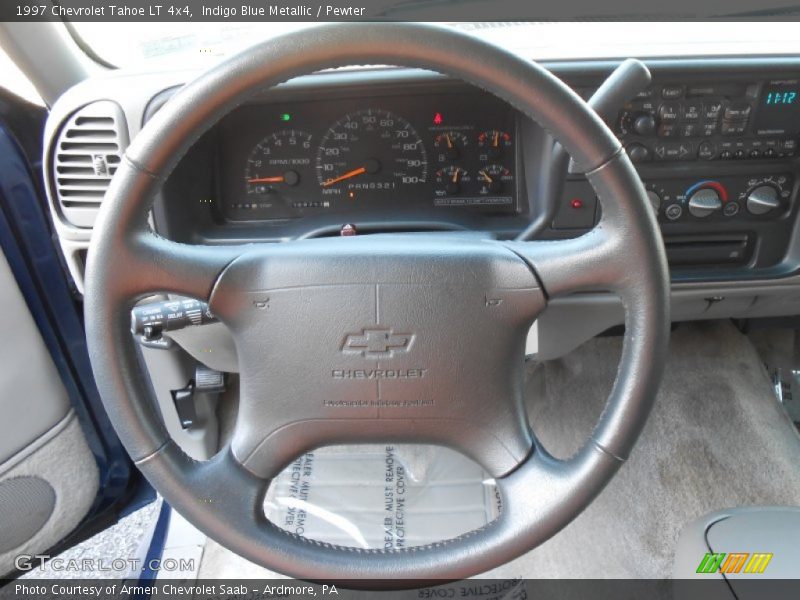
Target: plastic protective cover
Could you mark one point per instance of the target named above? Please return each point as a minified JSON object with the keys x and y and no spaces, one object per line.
{"x":388,"y":497}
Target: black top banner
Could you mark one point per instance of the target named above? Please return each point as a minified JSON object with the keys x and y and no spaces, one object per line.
{"x":393,"y":10}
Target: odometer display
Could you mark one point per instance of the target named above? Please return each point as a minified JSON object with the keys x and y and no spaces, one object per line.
{"x":371,"y":151}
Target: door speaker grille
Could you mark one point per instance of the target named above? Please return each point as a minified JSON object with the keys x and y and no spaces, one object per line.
{"x":26,"y":504}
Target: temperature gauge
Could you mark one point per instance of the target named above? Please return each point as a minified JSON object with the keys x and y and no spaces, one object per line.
{"x":493,"y":144}
{"x":450,"y":145}
{"x":493,"y":180}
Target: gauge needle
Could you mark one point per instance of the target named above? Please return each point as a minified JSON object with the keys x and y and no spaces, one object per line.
{"x":348,"y":175}
{"x":496,"y":141}
{"x":449,"y":141}
{"x":455,"y":175}
{"x":486,"y":176}
{"x":276,"y":179}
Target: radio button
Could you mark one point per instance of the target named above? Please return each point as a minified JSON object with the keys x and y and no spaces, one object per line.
{"x":692,"y":111}
{"x":733,"y":128}
{"x":709,"y":129}
{"x":671,"y":92}
{"x":669,"y":112}
{"x":737,"y":112}
{"x":668,"y":130}
{"x":690,"y":130}
{"x":706,"y":151}
{"x":673,"y":151}
{"x":711,"y":110}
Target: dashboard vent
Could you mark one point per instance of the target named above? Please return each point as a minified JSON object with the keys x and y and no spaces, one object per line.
{"x":86,"y":155}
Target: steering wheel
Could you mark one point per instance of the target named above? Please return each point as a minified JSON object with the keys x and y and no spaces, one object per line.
{"x":378,"y":338}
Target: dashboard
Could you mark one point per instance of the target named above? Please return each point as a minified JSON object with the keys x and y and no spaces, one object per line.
{"x":421,"y":155}
{"x":716,"y":150}
{"x":373,"y":150}
{"x":381,"y":155}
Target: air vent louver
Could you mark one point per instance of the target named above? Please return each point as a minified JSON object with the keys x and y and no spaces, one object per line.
{"x":85,"y":157}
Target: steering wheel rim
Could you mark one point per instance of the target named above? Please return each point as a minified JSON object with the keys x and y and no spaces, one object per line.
{"x":224,"y":496}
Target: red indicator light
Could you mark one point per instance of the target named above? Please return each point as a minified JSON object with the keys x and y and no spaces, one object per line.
{"x":437,"y":119}
{"x":576,"y":203}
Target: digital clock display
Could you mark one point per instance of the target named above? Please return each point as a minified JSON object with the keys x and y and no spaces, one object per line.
{"x":781,"y":97}
{"x":779,"y":109}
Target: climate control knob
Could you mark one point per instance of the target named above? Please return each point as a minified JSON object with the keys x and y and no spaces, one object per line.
{"x":704,"y":202}
{"x":655,"y":200}
{"x":762,"y":199}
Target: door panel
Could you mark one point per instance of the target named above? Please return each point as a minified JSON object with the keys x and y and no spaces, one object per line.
{"x":62,"y":470}
{"x":32,"y":397}
{"x":48,"y":476}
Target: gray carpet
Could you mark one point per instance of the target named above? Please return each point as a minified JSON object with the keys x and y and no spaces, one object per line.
{"x":717,"y":438}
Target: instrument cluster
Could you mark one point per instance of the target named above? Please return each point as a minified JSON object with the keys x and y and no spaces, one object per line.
{"x":442,"y":152}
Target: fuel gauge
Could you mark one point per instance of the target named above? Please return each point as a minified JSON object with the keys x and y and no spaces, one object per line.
{"x":450,"y":145}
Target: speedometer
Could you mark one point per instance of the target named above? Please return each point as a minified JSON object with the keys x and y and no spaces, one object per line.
{"x":370,"y":150}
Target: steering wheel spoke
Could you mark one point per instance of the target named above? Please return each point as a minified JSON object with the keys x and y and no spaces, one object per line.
{"x":585,"y":263}
{"x":166,"y":266}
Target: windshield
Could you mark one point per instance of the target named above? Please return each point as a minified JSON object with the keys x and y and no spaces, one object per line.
{"x":198,"y":44}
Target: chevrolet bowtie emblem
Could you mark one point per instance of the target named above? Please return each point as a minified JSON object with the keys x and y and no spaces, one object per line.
{"x":377,"y":343}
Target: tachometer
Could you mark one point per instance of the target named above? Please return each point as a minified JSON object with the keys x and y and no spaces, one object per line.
{"x":276,"y":164}
{"x":370,"y":150}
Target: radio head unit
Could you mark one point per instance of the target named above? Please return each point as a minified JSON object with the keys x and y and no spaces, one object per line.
{"x":728,"y":121}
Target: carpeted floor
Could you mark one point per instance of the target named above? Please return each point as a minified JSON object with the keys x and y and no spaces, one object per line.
{"x":716,"y":438}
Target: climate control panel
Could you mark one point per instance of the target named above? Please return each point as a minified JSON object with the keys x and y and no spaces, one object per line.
{"x":732,"y":198}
